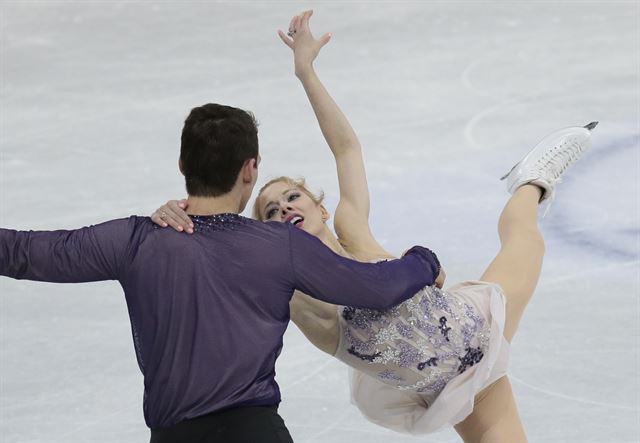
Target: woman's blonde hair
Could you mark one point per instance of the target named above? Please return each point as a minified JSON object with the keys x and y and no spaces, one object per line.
{"x":294,"y":183}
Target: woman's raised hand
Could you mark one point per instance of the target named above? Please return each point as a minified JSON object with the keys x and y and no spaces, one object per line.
{"x":305,"y":47}
{"x":172,"y":214}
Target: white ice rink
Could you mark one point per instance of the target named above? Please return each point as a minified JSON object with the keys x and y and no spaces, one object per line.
{"x":445,"y":97}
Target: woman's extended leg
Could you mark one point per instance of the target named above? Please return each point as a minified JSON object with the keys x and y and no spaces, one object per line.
{"x":516,"y":269}
{"x":495,"y":417}
{"x":517,"y":266}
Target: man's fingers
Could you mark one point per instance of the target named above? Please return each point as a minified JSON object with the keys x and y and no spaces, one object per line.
{"x":441,"y":279}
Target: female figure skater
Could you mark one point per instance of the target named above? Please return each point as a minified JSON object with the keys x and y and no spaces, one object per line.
{"x":440,"y":357}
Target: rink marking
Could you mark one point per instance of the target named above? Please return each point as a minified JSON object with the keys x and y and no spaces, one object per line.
{"x":311,"y":374}
{"x":473,"y":121}
{"x":334,"y":425}
{"x":587,"y":272}
{"x":95,"y":422}
{"x":465,"y":79}
{"x":570,"y":397}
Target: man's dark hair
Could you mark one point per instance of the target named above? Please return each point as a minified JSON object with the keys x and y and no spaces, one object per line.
{"x":216,"y":141}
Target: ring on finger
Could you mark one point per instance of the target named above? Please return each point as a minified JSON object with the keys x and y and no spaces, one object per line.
{"x":163,"y":215}
{"x":291,"y":33}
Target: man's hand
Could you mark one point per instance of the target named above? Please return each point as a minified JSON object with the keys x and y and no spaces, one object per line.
{"x":439,"y":283}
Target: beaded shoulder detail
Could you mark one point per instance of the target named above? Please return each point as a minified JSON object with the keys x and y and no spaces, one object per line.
{"x":217,"y":222}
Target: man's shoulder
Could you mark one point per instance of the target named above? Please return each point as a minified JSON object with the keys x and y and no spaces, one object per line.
{"x":127,"y":226}
{"x":130,"y":222}
{"x":137,"y":222}
{"x":238,"y":223}
{"x":268,"y":229}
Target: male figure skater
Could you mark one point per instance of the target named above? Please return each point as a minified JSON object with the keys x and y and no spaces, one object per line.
{"x":208,"y":311}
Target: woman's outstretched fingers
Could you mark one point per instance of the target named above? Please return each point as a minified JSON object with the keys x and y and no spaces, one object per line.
{"x":292,"y":23}
{"x":304,"y":22}
{"x":325,"y":39}
{"x":297,"y":23}
{"x":287,"y":41}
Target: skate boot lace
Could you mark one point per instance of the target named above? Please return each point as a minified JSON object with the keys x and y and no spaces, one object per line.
{"x":555,"y":162}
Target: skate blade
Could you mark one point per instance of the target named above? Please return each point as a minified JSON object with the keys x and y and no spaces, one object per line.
{"x":545,"y":206}
{"x":507,"y":174}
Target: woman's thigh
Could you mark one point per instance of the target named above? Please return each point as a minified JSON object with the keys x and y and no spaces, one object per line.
{"x":516,"y":269}
{"x":495,"y":417}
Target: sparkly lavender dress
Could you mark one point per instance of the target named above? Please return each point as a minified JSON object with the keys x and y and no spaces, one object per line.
{"x":417,"y":367}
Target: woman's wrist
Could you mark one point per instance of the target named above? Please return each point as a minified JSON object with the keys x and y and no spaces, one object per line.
{"x":304,"y":72}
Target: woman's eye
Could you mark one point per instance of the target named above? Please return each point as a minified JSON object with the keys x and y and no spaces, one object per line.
{"x":271,"y":212}
{"x":293,"y":196}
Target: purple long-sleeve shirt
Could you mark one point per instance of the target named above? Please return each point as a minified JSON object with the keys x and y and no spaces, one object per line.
{"x":208,"y":310}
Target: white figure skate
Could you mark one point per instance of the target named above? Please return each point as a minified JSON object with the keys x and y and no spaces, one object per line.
{"x":545,"y":164}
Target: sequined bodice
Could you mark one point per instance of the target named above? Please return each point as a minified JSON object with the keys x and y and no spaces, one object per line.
{"x":418,"y":345}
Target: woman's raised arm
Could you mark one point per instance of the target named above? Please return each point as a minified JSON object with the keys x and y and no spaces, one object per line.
{"x":352,"y":214}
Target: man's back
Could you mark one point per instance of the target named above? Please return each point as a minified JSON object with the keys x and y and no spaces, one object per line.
{"x":208,"y":311}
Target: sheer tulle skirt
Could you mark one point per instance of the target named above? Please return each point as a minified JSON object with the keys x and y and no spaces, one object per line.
{"x":407,"y":411}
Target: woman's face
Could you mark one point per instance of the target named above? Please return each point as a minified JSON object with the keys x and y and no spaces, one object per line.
{"x":286,"y":203}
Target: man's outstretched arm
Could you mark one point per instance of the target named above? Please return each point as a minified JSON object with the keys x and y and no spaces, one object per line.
{"x":324,"y":275}
{"x":88,"y":254}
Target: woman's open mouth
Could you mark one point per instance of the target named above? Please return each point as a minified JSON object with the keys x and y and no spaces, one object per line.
{"x":296,"y":220}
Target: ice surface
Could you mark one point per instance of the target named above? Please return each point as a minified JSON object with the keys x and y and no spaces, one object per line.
{"x":445,"y":97}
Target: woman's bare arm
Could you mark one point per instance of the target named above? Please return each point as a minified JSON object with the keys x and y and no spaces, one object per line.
{"x":352,"y":214}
